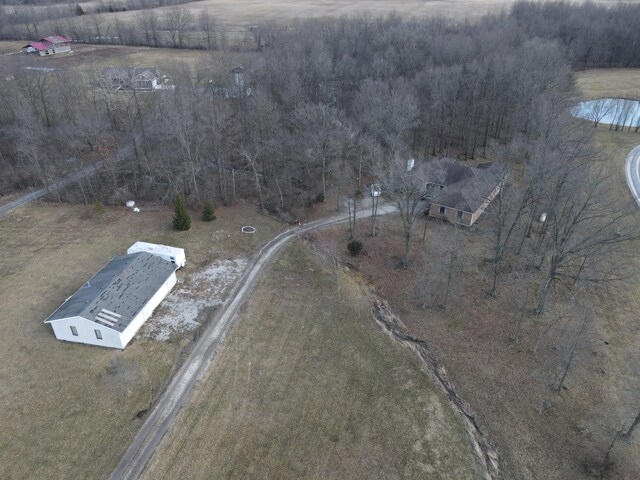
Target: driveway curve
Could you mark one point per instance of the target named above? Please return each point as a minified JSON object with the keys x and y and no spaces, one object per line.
{"x":177,"y":393}
{"x":632,"y":169}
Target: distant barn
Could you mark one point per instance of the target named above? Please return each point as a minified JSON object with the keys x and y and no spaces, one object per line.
{"x":48,"y":45}
{"x":111,"y":307}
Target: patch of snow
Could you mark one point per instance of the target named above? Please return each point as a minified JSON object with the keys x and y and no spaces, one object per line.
{"x":207,"y":288}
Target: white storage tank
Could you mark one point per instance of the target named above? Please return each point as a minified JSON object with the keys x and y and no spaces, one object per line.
{"x":171,"y":254}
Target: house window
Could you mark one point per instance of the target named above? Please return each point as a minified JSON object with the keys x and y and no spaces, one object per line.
{"x":74,"y":331}
{"x":459,"y":214}
{"x":98,"y":334}
{"x":442,"y":210}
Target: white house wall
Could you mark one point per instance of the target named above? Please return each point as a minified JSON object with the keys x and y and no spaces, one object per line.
{"x":86,"y":332}
{"x":147,"y":310}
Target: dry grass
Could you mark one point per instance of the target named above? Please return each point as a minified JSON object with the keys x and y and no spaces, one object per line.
{"x":598,"y":83}
{"x":69,"y":410}
{"x":306,"y":386}
{"x":90,"y":59}
{"x":247,"y":12}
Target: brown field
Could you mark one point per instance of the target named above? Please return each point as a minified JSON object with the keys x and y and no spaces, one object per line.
{"x":69,"y":410}
{"x":597,"y":83}
{"x":307,"y":386}
{"x":90,"y":59}
{"x":247,"y":12}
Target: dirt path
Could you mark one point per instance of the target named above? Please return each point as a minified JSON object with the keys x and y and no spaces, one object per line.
{"x":66,"y":181}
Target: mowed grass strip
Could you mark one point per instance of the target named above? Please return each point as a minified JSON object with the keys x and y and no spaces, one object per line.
{"x":69,"y":410}
{"x":307,"y":386}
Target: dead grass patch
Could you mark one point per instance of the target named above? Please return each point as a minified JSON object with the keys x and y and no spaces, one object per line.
{"x":607,"y":82}
{"x":306,"y":386}
{"x":69,"y":410}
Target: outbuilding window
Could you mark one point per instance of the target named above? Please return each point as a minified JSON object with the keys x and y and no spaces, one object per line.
{"x":459,"y":215}
{"x":442,"y":210}
{"x":74,"y":331}
{"x":98,"y":334}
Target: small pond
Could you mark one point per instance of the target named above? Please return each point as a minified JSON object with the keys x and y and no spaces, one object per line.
{"x":622,"y":112}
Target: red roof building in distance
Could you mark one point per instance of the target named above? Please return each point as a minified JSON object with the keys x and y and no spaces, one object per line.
{"x":48,"y":45}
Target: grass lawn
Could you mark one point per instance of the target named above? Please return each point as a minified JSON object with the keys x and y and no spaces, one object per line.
{"x":69,"y":410}
{"x":603,"y":82}
{"x":307,"y":386}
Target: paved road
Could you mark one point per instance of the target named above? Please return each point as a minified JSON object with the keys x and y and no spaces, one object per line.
{"x":633,"y":173}
{"x":177,"y":393}
{"x":66,"y":181}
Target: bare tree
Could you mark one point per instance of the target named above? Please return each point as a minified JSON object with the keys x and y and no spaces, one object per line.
{"x":177,"y":21}
{"x":407,"y":189}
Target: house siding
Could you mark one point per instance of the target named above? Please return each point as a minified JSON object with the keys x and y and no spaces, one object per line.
{"x":148,"y":309}
{"x":86,"y":332}
{"x":451,"y":214}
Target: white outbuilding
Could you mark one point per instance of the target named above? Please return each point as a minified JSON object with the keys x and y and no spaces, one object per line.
{"x":111,"y":307}
{"x":170,"y":254}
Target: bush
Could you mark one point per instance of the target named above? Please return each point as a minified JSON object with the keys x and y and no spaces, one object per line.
{"x":98,"y":206}
{"x":357,"y":193}
{"x":354,"y":247}
{"x":208,"y":213}
{"x":79,"y":10}
{"x":181,"y":218}
{"x":319,"y":198}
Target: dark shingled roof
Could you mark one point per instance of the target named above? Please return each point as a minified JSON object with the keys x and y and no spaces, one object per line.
{"x":465,"y":188}
{"x":115,"y":295}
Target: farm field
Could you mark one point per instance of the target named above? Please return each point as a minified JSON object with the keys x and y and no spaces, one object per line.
{"x":248,"y":12}
{"x":602,"y":82}
{"x":90,"y":59}
{"x":70,"y":410}
{"x":307,"y":386}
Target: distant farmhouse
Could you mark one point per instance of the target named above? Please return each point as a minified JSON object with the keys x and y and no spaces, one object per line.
{"x":111,"y":307}
{"x":48,"y":46}
{"x":135,"y":78}
{"x":460,"y":193}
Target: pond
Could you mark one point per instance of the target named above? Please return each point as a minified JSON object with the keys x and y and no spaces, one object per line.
{"x":621,"y":112}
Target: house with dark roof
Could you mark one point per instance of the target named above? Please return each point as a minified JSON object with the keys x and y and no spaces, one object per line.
{"x":135,"y":78}
{"x":459,"y":193}
{"x":111,"y":307}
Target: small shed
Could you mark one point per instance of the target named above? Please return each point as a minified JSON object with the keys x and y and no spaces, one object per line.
{"x":170,"y":254}
{"x":111,"y":307}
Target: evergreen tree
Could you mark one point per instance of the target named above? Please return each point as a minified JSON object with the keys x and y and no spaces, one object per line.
{"x":79,"y":10}
{"x":99,"y":206}
{"x":181,"y":218}
{"x":208,"y":214}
